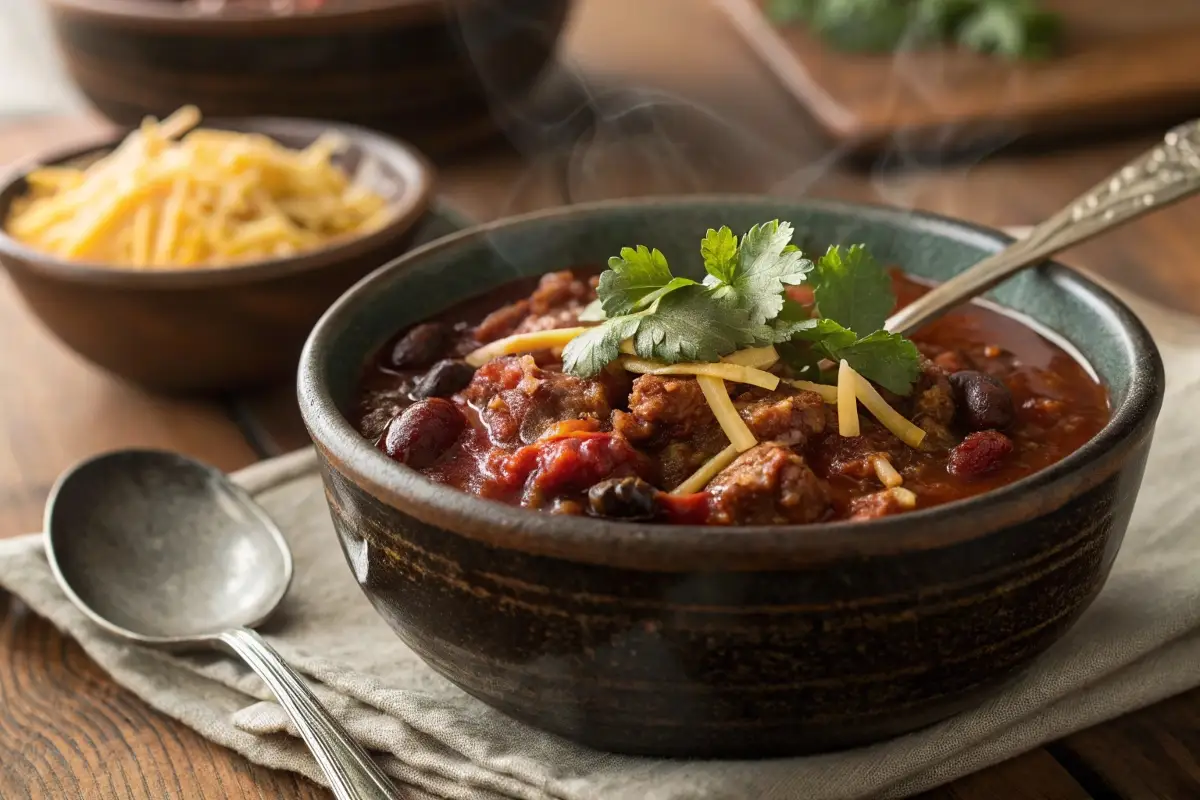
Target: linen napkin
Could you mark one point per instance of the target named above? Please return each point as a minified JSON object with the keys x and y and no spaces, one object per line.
{"x":1137,"y":644}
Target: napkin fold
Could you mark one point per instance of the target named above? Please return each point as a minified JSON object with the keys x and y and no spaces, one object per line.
{"x":1137,"y":644}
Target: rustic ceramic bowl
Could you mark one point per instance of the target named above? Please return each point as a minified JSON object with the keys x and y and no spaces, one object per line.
{"x":432,"y":71}
{"x":216,"y":328}
{"x":727,"y":642}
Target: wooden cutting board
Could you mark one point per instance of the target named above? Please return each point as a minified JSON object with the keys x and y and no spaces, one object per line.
{"x":1124,"y":63}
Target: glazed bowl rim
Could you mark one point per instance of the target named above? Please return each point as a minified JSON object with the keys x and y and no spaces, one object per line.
{"x":416,"y":175}
{"x":160,"y":12}
{"x":679,"y":548}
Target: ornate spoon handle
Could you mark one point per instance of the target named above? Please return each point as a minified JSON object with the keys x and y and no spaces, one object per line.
{"x":352,"y":774}
{"x":1168,"y":172}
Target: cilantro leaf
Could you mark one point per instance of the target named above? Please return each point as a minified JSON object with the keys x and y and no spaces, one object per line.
{"x":590,"y":352}
{"x":720,"y":252}
{"x":682,"y":325}
{"x":828,"y":335}
{"x":793,"y":318}
{"x":803,"y":359}
{"x":765,"y":265}
{"x":853,"y":289}
{"x":593,"y":312}
{"x":686,"y":325}
{"x":887,"y":359}
{"x":630,"y":277}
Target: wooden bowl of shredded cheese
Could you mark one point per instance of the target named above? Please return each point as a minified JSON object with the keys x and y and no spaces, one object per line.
{"x":194,"y":258}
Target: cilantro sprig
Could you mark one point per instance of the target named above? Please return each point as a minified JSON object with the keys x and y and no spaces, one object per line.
{"x":1009,"y":28}
{"x":742,"y":302}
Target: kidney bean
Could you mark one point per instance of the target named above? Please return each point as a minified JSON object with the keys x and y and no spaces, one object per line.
{"x":423,"y":432}
{"x":443,"y":379}
{"x":421,"y":346}
{"x":982,"y":402}
{"x":623,"y":498}
{"x":980,"y":452}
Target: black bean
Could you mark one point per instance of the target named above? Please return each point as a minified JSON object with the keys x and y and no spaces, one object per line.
{"x":421,"y":346}
{"x":443,"y":379}
{"x":623,"y":498}
{"x":423,"y":432}
{"x":983,"y":402}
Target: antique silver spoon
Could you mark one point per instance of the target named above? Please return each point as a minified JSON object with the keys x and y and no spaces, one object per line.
{"x":1169,"y":172}
{"x":167,"y":552}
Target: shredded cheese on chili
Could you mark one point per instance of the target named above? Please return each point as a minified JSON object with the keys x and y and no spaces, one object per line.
{"x":726,"y":413}
{"x":828,"y":393}
{"x":522,"y":343}
{"x":889,"y":417}
{"x":734,"y":373}
{"x":886,"y":473}
{"x":707,"y":471}
{"x":755,"y":357}
{"x":847,"y":402}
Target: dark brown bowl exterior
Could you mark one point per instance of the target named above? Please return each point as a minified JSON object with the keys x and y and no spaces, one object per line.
{"x":428,"y":70}
{"x":730,"y":642}
{"x":221,"y":328}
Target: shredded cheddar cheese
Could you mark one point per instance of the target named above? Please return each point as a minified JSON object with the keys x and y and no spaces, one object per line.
{"x":755,"y":357}
{"x":828,"y":393}
{"x":886,"y":473}
{"x":172,"y":197}
{"x":522,"y":343}
{"x":734,"y":373}
{"x":726,"y":413}
{"x":889,"y":417}
{"x":847,"y":402}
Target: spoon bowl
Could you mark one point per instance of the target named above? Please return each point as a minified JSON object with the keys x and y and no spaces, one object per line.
{"x":165,"y":551}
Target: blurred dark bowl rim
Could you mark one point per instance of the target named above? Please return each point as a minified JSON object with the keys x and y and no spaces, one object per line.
{"x":176,"y":13}
{"x":686,"y":547}
{"x":416,"y":173}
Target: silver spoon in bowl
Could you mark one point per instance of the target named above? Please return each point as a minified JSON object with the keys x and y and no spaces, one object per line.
{"x":1168,"y":172}
{"x":164,"y":551}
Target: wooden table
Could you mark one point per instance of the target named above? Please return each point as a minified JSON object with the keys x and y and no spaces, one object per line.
{"x":67,"y":731}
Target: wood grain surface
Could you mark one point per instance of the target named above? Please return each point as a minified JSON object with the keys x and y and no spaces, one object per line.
{"x":1120,"y":66}
{"x":718,"y":122}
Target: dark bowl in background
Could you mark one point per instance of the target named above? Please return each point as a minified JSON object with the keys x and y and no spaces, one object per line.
{"x":211,"y":329}
{"x":727,"y":642}
{"x":436,"y":72}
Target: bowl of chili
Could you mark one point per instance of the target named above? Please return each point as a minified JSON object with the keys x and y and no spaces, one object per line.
{"x":536,"y":484}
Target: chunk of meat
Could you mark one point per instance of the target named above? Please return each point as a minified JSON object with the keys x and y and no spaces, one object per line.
{"x":979,"y":453}
{"x":556,"y":303}
{"x":881,"y":504}
{"x":791,"y":419}
{"x":767,"y":485}
{"x":933,"y":405}
{"x":664,"y":407}
{"x":518,"y":400}
{"x":501,"y":322}
{"x":673,"y":408}
{"x":552,"y":468}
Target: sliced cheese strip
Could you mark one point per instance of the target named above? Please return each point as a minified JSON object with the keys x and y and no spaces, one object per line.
{"x":708,"y":470}
{"x":847,"y":402}
{"x":886,"y":473}
{"x":523,"y":343}
{"x":828,"y":393}
{"x":889,"y":417}
{"x":756,"y":357}
{"x":726,"y":413}
{"x":734,"y":373}
{"x":904,"y":497}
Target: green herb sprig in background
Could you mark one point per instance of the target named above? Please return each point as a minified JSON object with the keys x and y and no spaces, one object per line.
{"x":1009,"y":28}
